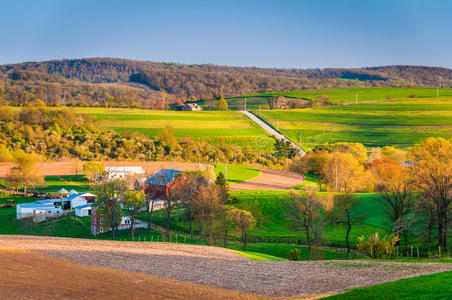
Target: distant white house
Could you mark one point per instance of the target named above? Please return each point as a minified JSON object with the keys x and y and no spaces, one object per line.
{"x":123,"y":172}
{"x":83,"y":210}
{"x":62,"y":191}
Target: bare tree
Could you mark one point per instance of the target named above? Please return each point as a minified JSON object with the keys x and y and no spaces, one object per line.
{"x":303,"y":212}
{"x":342,"y":213}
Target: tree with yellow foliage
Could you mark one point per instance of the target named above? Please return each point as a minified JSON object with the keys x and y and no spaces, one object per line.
{"x":432,"y":170}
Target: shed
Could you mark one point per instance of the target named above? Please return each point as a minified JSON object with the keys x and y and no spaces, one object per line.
{"x":71,"y":192}
{"x":83,"y":210}
{"x":26,"y":210}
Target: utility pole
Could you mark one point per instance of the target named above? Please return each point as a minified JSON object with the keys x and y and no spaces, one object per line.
{"x":356,"y":97}
{"x":336,"y":177}
{"x":226,"y":172}
{"x":245,"y":103}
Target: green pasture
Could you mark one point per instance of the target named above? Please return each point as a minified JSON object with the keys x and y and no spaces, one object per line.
{"x":236,"y":173}
{"x":213,"y":127}
{"x":364,"y":94}
{"x":398,"y":123}
{"x":434,"y":286}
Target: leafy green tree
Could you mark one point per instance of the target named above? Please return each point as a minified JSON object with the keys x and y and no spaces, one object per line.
{"x":109,"y":194}
{"x":94,"y":170}
{"x":26,"y":172}
{"x":222,"y":104}
{"x":133,"y":202}
{"x":243,"y":221}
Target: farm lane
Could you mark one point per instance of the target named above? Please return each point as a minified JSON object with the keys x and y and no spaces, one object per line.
{"x":270,"y":129}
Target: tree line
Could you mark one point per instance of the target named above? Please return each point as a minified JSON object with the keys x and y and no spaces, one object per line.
{"x":79,"y":81}
{"x":414,"y":187}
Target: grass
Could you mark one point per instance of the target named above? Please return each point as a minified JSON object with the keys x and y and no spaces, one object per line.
{"x":434,"y":286}
{"x":257,"y":256}
{"x":364,"y":94}
{"x":402,"y":123}
{"x":213,"y":127}
{"x":237,"y":173}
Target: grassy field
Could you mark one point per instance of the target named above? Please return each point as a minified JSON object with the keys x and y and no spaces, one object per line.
{"x":400,"y":123}
{"x":237,"y":173}
{"x":364,"y":94}
{"x":271,"y":237}
{"x":214,"y":127}
{"x":434,"y":286}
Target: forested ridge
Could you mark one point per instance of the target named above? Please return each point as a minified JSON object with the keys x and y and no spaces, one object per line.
{"x":109,"y":81}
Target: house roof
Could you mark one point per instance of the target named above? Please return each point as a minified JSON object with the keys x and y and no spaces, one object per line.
{"x":138,"y":170}
{"x":84,"y":206}
{"x":62,"y":191}
{"x":72,"y":192}
{"x":35,"y":204}
{"x":164,"y":176}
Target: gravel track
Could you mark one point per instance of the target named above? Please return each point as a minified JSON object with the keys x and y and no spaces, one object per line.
{"x":220,"y":268}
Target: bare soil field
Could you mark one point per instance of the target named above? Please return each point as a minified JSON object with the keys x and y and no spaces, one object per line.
{"x":220,"y":268}
{"x":267,"y":180}
{"x":30,"y":275}
{"x":270,"y":180}
{"x":76,"y":167}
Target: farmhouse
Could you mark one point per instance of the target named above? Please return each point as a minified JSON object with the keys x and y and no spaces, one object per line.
{"x":99,"y":224}
{"x":188,"y":107}
{"x":123,"y":172}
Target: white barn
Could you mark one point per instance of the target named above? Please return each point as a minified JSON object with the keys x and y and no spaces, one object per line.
{"x":123,"y":172}
{"x":27,"y":210}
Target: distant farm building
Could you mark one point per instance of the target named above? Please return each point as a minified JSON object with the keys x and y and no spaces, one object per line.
{"x":123,"y":172}
{"x":50,"y":208}
{"x":158,"y":185}
{"x":188,"y":107}
{"x":83,"y":210}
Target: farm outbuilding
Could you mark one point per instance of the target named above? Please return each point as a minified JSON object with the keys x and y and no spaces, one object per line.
{"x":63,"y":191}
{"x":27,"y":210}
{"x":123,"y":172}
{"x":83,"y":210}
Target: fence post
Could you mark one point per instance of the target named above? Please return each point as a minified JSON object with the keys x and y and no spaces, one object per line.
{"x":411,"y":251}
{"x":397,"y":252}
{"x":371,"y":252}
{"x":417,"y":248}
{"x":439,"y":252}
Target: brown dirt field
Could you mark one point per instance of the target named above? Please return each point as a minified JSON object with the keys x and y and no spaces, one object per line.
{"x":267,"y":180}
{"x":222,"y":269}
{"x":74,"y":167}
{"x":270,"y":180}
{"x":30,"y":275}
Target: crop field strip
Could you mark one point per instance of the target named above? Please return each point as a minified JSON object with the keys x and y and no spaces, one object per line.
{"x":214,"y":127}
{"x":401,"y":123}
{"x":364,"y":94}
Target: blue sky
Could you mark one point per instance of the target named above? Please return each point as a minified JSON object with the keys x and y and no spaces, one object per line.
{"x":302,"y":34}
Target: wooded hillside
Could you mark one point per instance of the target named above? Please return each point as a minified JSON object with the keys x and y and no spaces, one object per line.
{"x":82,"y":81}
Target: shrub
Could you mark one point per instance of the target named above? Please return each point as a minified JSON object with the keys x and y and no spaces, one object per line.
{"x":376,"y":247}
{"x":294,"y":254}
